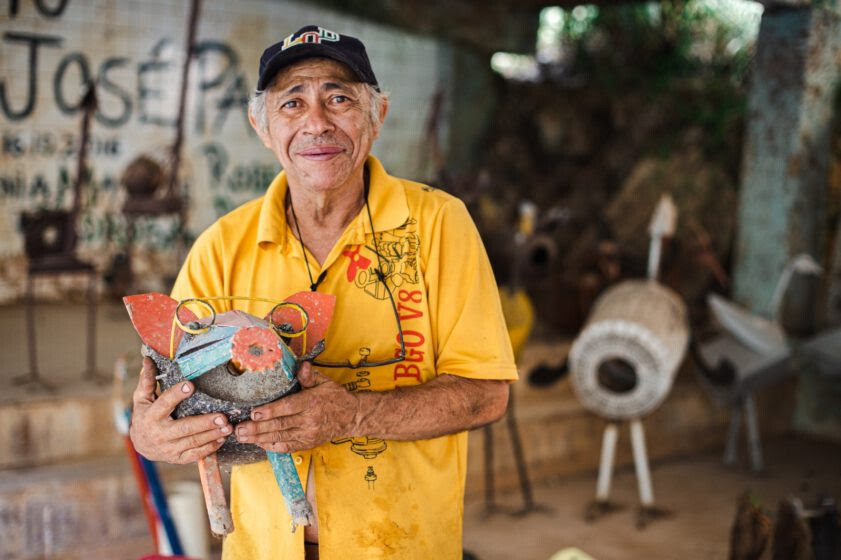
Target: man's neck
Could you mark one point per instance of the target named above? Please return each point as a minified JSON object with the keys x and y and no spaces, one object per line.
{"x":327,"y":209}
{"x":322,"y":216}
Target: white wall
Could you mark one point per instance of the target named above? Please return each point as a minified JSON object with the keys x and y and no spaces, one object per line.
{"x":135,"y":49}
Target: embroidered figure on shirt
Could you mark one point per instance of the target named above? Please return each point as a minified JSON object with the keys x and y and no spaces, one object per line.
{"x":399,"y":251}
{"x":370,"y":477}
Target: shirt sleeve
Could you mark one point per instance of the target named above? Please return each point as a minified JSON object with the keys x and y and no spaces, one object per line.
{"x":471,"y":339}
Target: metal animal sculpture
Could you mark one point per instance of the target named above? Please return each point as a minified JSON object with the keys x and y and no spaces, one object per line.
{"x":237,"y":361}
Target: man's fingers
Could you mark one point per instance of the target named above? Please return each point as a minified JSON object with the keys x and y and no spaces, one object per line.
{"x":283,"y":436}
{"x":170,"y":398}
{"x":287,"y":406}
{"x":193,"y":425}
{"x":309,"y":377}
{"x":200,"y":439}
{"x":144,"y":393}
{"x":305,"y":376}
{"x":194,"y":454}
{"x":249,"y":429}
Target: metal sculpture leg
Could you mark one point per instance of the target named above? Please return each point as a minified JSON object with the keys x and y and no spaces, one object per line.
{"x":648,"y":511}
{"x":90,"y":372}
{"x":520,"y":460}
{"x":752,"y":428}
{"x":731,"y":449}
{"x":221,"y":522}
{"x":33,"y":377}
{"x":601,"y":505}
{"x":490,"y":505}
{"x":30,"y":329}
{"x":641,"y":463}
{"x":609,"y":439}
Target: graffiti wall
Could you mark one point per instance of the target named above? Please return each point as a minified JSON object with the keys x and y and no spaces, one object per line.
{"x":50,"y":50}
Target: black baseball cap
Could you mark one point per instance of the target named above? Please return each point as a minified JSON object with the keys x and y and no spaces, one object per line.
{"x":313,"y":41}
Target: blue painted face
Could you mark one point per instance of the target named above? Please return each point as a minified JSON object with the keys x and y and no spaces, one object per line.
{"x":197,"y":354}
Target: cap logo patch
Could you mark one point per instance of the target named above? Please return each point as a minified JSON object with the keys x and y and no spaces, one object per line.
{"x":310,"y":37}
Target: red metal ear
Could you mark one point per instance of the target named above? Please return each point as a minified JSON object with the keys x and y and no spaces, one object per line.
{"x":319,"y":308}
{"x":151,"y":314}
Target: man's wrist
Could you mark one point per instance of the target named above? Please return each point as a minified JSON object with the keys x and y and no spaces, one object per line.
{"x":360,"y":407}
{"x":356,"y":419}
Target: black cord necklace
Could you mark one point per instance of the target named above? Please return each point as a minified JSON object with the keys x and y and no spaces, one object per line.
{"x":315,"y":283}
{"x":323,"y":275}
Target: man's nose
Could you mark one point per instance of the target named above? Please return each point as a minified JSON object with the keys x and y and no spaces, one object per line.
{"x":318,"y":120}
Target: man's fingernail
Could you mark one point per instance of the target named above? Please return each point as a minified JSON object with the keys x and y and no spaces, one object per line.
{"x":257,"y":415}
{"x":221,"y":440}
{"x":224,"y":429}
{"x":240,"y":431}
{"x":185,"y":388}
{"x":242,"y":438}
{"x":219,"y":421}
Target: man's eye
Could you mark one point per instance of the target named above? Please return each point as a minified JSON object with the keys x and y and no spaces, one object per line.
{"x":340,"y":99}
{"x":291,"y":104}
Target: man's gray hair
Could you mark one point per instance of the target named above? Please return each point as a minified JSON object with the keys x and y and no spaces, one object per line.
{"x":257,"y":106}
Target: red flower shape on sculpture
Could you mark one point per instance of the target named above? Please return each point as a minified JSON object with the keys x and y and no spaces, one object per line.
{"x":255,"y":349}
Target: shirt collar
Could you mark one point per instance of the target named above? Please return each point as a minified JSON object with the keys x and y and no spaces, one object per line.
{"x":272,"y":225}
{"x":386,"y":199}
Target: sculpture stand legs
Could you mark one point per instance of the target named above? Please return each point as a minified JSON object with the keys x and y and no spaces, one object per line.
{"x":647,"y":511}
{"x":601,"y":506}
{"x":746,"y":406}
{"x":32,"y":379}
{"x":611,"y":435}
{"x":529,"y":504}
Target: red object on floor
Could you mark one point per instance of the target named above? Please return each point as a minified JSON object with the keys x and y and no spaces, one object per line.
{"x":143,"y":489}
{"x":160,"y":557}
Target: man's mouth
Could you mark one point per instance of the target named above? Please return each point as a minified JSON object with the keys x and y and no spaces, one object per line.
{"x":320,"y":153}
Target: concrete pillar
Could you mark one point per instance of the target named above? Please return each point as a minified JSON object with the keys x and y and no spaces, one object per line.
{"x":784,"y":168}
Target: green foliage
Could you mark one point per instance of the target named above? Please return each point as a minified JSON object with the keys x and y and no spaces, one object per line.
{"x":691,"y":56}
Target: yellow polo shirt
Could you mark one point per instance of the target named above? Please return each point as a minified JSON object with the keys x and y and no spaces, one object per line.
{"x":376,"y":498}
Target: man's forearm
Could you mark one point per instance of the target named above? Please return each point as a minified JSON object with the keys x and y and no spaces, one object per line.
{"x":444,"y":405}
{"x":324,"y":411}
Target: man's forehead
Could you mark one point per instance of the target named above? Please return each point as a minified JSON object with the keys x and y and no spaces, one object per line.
{"x":314,"y":68}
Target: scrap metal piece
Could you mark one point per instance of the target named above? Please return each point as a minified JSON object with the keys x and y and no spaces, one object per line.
{"x":201,"y":355}
{"x":319,"y":308}
{"x":290,"y":486}
{"x":151,"y":314}
{"x":257,"y":350}
{"x":221,"y":522}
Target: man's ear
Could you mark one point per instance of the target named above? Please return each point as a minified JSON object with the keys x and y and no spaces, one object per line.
{"x":263,"y":134}
{"x":382,"y":115}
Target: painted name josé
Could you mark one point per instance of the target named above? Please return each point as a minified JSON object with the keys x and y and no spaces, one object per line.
{"x":46,"y":73}
{"x":150,"y":100}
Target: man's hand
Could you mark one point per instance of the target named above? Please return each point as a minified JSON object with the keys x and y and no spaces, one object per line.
{"x":322,"y":411}
{"x":158,"y":437}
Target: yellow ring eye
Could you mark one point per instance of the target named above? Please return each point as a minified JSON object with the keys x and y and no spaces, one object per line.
{"x":184,"y":327}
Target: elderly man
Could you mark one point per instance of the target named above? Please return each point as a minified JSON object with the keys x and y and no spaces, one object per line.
{"x":417,"y":352}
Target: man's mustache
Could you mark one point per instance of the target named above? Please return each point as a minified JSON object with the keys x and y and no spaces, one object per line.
{"x":322,"y":140}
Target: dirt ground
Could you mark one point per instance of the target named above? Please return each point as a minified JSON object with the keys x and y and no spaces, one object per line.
{"x":699,"y":491}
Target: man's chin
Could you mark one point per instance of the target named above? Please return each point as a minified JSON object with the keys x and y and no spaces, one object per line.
{"x":324,"y":174}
